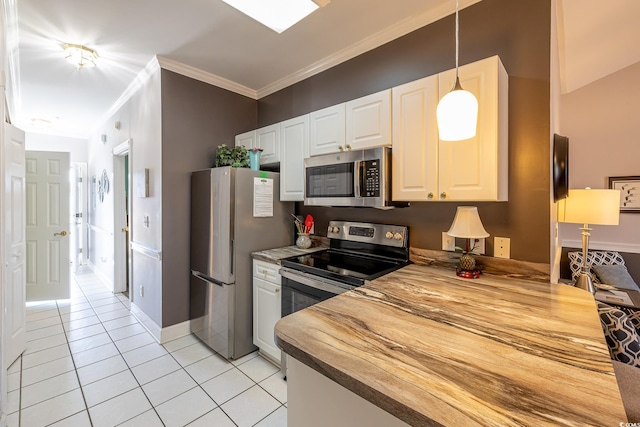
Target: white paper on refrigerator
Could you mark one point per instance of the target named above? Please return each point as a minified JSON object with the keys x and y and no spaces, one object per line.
{"x":262,"y":197}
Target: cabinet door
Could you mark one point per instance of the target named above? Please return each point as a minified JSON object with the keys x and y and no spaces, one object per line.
{"x":415,"y":141}
{"x":266,"y":312}
{"x":368,"y":121}
{"x":247,"y":139}
{"x":294,"y":148}
{"x":476,"y":168}
{"x":327,"y":130}
{"x":268,"y":138}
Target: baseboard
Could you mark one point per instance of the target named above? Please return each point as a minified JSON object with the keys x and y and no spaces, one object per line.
{"x":100,"y":275}
{"x":175,"y":331}
{"x":162,"y":335}
{"x":147,"y":322}
{"x":604,"y":246}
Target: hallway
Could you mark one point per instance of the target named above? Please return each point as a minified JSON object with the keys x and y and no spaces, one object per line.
{"x":89,"y":362}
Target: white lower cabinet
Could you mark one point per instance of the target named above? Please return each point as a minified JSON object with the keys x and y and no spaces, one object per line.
{"x":266,"y":308}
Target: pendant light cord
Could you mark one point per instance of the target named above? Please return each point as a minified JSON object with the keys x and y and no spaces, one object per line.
{"x":457,"y":39}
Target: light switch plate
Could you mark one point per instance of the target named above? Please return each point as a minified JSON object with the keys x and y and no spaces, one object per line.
{"x":448,"y":242}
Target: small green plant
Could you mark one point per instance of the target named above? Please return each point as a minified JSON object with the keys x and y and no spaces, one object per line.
{"x":238,"y":157}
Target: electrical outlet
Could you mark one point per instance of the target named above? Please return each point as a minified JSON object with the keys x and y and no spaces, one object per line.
{"x":448,"y":242}
{"x":480,"y":246}
{"x":502,"y":247}
{"x":142,"y":291}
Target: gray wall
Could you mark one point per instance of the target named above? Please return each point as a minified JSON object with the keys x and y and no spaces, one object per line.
{"x":196,"y":118}
{"x":517,"y":31}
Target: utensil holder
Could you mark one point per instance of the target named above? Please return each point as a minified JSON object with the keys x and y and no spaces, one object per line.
{"x":303,"y":241}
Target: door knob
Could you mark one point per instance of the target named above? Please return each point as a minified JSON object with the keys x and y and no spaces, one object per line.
{"x":125,"y":229}
{"x":62,"y":233}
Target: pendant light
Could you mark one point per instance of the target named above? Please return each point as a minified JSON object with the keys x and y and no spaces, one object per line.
{"x":457,"y":111}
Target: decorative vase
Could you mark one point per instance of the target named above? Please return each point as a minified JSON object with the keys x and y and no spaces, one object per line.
{"x":303,"y":241}
{"x":467,"y":262}
{"x":254,"y":159}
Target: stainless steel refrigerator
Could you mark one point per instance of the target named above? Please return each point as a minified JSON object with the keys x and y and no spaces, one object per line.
{"x":234,"y":211}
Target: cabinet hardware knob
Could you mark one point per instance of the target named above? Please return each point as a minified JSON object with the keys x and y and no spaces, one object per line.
{"x":62,"y":233}
{"x":430,"y":196}
{"x":277,"y":290}
{"x":443,"y":195}
{"x":348,"y":147}
{"x":340,"y":148}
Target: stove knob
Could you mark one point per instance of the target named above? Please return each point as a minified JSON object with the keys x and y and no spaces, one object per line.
{"x":397,"y":236}
{"x":389,"y":235}
{"x":330,"y":229}
{"x":336,"y":229}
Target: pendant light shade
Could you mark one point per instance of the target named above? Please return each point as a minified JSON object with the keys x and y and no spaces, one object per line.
{"x":457,"y":111}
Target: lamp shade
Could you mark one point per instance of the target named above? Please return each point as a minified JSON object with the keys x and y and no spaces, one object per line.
{"x":467,"y":224}
{"x":457,"y":115}
{"x":590,"y":206}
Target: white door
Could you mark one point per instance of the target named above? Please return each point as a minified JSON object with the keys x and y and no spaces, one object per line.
{"x":47,"y":222}
{"x":14,"y":220}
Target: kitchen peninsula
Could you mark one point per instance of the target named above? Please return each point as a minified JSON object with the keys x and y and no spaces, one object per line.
{"x":428,"y":348}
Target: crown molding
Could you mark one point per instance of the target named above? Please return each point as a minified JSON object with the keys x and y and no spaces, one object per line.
{"x":376,"y":40}
{"x":203,"y":76}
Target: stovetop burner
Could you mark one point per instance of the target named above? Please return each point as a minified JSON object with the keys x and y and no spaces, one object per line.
{"x":358,"y":252}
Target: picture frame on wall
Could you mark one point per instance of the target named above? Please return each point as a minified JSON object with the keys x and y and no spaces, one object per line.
{"x":629,"y":187}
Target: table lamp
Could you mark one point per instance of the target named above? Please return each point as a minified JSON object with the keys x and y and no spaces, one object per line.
{"x":589,"y":206}
{"x":467,"y":225}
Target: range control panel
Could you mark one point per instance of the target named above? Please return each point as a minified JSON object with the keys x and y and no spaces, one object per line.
{"x":382,"y":234}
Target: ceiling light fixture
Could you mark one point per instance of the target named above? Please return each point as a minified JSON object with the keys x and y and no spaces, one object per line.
{"x":80,"y":56}
{"x":457,"y":111}
{"x":277,"y":14}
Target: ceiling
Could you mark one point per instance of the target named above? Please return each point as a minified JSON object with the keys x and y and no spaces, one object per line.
{"x":214,"y":42}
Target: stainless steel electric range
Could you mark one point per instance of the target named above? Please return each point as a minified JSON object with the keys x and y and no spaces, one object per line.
{"x":358,"y":252}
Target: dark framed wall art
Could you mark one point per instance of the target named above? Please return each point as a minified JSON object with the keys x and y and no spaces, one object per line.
{"x":629,"y":187}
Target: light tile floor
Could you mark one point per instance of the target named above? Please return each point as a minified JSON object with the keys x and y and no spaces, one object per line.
{"x":89,"y":362}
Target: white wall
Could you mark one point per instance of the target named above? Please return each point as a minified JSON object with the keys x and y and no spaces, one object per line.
{"x":41,"y":142}
{"x":602,"y":123}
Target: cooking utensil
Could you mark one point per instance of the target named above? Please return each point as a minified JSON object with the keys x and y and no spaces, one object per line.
{"x":308,"y":223}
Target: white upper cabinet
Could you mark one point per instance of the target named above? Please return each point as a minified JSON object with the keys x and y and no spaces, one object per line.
{"x":476,"y":169}
{"x":327,"y":130}
{"x":425,"y":168}
{"x":247,"y":139}
{"x":268,"y":138}
{"x":368,"y":121}
{"x":415,"y":140}
{"x":294,"y":148}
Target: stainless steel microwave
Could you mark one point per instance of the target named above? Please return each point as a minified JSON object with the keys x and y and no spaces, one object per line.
{"x":360,"y":178}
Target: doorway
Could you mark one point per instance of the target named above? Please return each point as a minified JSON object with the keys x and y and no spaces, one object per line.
{"x":121,"y":214}
{"x":78,"y":210}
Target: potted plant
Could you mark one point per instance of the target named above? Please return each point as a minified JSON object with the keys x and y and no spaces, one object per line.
{"x":236,"y":157}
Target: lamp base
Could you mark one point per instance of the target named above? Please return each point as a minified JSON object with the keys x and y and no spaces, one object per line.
{"x":584,"y":282}
{"x":468,"y":274}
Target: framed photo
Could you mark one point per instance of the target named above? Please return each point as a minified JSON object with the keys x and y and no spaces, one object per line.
{"x":629,"y":187}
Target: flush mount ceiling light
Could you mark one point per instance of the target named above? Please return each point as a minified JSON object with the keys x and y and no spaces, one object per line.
{"x":457,"y":111}
{"x":277,"y":14}
{"x":80,"y":56}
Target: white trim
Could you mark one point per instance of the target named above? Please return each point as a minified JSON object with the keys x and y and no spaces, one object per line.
{"x":122,"y":149}
{"x":604,"y":246}
{"x":13,"y":88}
{"x":100,"y":275}
{"x":99,"y":229}
{"x":145,"y":250}
{"x":375,"y":40}
{"x":176,"y":331}
{"x":203,"y":76}
{"x":146,"y":321}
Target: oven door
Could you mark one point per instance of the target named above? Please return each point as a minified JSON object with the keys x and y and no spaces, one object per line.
{"x":301,"y":290}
